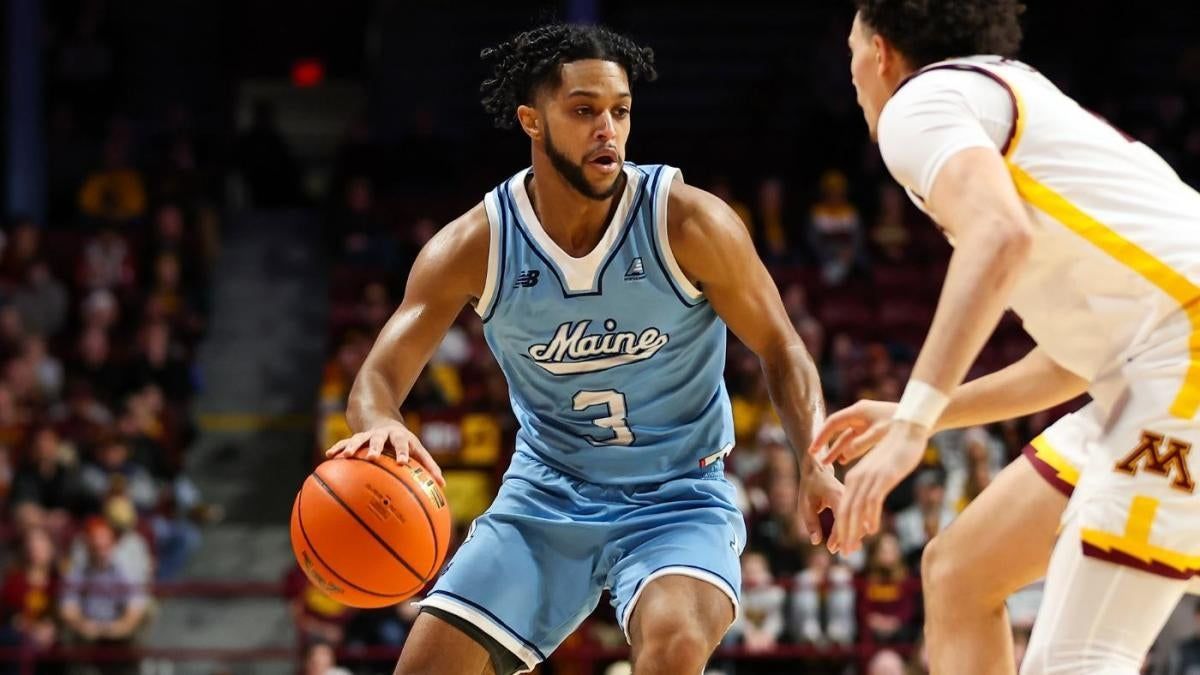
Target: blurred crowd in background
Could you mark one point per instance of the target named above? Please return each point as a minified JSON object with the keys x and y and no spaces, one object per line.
{"x":103,"y":305}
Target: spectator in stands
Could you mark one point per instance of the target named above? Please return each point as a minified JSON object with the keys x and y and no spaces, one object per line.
{"x":752,"y":465}
{"x":82,"y":417}
{"x":107,"y":262}
{"x":375,"y":307}
{"x":889,"y":595}
{"x":891,"y":235}
{"x":14,"y":419}
{"x":116,"y":192}
{"x":48,"y":480}
{"x":1186,"y":659}
{"x":100,"y":604}
{"x":41,"y":300}
{"x":320,"y":660}
{"x":20,"y":251}
{"x":12,"y":330}
{"x":773,"y":232}
{"x":27,"y":594}
{"x":158,"y":361}
{"x":266,"y":163}
{"x":759,"y":624}
{"x":778,"y":533}
{"x":823,"y":608}
{"x":113,"y":472}
{"x":22,"y":382}
{"x":100,"y":310}
{"x":364,"y":239}
{"x":928,"y":515}
{"x":95,"y":364}
{"x":835,"y":230}
{"x":131,"y":552}
{"x":47,"y":370}
{"x":166,"y":293}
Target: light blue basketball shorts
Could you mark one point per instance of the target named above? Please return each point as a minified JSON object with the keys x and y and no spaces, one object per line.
{"x":533,"y":566}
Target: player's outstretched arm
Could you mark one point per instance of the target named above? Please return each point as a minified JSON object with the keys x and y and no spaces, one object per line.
{"x":974,"y":199}
{"x":448,"y":273}
{"x":714,"y":250}
{"x":1030,"y":385}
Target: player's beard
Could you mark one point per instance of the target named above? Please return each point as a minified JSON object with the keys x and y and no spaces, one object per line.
{"x":573,"y":173}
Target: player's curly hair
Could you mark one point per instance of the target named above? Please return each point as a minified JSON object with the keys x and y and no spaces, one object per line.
{"x":532,"y":59}
{"x":927,"y":31}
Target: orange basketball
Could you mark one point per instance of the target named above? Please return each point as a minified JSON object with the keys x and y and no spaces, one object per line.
{"x":370,"y":534}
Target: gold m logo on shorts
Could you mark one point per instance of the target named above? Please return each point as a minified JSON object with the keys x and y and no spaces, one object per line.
{"x":1171,"y":465}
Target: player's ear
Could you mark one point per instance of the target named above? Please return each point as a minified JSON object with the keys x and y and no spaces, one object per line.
{"x":879,"y":47}
{"x":530,"y":121}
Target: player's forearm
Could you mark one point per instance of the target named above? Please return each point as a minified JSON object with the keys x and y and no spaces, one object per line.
{"x":983,"y":271}
{"x":374,"y":400}
{"x":795,"y":388}
{"x":1032,"y":384}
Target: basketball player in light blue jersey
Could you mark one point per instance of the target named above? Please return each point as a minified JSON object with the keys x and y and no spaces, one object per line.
{"x":605,"y":289}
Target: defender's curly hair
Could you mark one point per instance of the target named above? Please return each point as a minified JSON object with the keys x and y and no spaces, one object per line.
{"x":927,"y":31}
{"x":532,"y":59}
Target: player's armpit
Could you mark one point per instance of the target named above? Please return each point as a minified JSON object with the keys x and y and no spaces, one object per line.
{"x":448,"y":273}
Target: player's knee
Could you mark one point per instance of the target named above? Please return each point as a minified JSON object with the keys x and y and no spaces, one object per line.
{"x":945,"y":581}
{"x":937,"y":567}
{"x":674,"y":647}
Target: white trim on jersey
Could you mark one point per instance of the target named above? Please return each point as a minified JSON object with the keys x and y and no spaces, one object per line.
{"x":492,"y":207}
{"x":579,"y":274}
{"x":664,"y":240}
{"x":681,"y":570}
{"x":485,"y":624}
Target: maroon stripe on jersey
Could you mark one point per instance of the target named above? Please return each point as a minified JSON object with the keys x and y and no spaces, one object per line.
{"x":1012,"y":96}
{"x":1048,"y":472}
{"x":1126,"y":560}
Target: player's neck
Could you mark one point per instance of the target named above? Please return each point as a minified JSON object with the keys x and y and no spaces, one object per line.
{"x":575,"y":222}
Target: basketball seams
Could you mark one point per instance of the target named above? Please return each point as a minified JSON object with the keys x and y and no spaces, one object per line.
{"x":424,"y":511}
{"x":375,"y":535}
{"x":330,"y":569}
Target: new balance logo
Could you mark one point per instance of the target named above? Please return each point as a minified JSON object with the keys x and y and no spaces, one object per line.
{"x":636,"y":270}
{"x":527,"y":279}
{"x":1173,"y":464}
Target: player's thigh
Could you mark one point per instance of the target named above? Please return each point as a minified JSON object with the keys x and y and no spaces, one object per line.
{"x":1097,"y":617}
{"x":678,"y":605}
{"x":526,"y":575}
{"x":435,"y":646}
{"x":1001,"y":542}
{"x":694,"y":544}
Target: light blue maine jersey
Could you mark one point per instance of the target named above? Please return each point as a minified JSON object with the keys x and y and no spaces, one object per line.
{"x":615,"y":360}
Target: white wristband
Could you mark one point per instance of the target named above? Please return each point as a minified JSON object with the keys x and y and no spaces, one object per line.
{"x":921,"y":404}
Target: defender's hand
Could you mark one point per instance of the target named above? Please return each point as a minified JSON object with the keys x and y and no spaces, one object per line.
{"x":870,"y":481}
{"x":853,"y":431}
{"x":370,"y":444}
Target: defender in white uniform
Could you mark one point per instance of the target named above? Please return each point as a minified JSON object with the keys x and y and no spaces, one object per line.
{"x":1094,"y":242}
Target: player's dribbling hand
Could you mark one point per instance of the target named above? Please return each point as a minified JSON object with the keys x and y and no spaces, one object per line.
{"x":870,"y":481}
{"x":371,"y":443}
{"x":819,"y":490}
{"x":853,"y":431}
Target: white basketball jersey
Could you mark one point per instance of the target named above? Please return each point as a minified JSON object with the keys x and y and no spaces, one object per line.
{"x":1114,"y":273}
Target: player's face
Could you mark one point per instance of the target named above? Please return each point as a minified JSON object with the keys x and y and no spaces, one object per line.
{"x":587,"y":124}
{"x":866,"y":74}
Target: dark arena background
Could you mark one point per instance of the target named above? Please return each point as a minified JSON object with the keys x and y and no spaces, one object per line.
{"x":210,"y":208}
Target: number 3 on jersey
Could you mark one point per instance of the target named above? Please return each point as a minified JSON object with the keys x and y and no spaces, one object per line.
{"x":614,"y":422}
